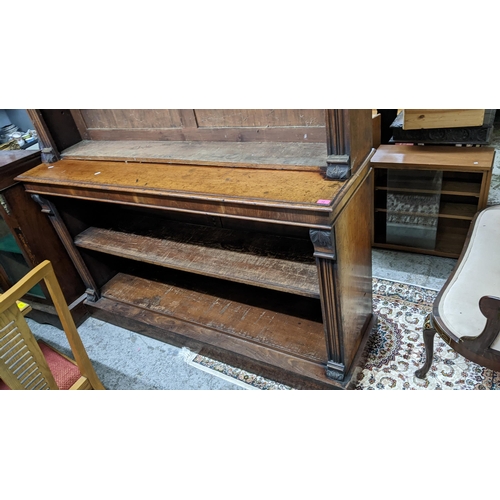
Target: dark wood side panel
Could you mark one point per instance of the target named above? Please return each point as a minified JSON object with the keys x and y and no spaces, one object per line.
{"x":62,"y":127}
{"x":353,"y":230}
{"x":39,"y":241}
{"x":360,"y":136}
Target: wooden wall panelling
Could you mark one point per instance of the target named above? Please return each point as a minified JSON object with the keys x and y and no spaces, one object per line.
{"x":216,"y":118}
{"x":203,"y":125}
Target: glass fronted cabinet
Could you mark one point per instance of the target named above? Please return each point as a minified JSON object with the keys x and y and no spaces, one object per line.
{"x":426,"y":196}
{"x":12,"y":262}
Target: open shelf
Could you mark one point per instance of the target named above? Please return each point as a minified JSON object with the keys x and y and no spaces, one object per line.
{"x":448,"y":187}
{"x":180,"y":247}
{"x":274,"y":155}
{"x":190,"y":315}
{"x":464,"y":211}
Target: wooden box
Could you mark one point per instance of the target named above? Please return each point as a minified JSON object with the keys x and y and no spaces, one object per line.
{"x":414,"y":119}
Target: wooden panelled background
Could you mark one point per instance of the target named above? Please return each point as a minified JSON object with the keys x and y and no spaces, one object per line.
{"x":260,"y":125}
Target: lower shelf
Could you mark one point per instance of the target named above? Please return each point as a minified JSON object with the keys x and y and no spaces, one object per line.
{"x":450,"y":238}
{"x":292,"y":345}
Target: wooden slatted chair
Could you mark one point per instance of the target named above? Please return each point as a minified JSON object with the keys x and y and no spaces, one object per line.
{"x":466,"y":312}
{"x":28,"y":364}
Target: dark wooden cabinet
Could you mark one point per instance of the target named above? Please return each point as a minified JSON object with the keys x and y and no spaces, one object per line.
{"x":27,"y":238}
{"x":243,"y":234}
{"x":426,"y":196}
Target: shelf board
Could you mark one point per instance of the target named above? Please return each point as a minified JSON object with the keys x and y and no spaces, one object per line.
{"x":299,"y":278}
{"x":447,"y":210}
{"x":448,"y":187}
{"x":449,"y":241}
{"x":461,"y":188}
{"x":426,"y":251}
{"x":269,"y":155}
{"x":464,"y":211}
{"x":202,"y":314}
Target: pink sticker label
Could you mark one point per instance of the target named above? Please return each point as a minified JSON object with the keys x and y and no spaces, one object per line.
{"x":323,"y":202}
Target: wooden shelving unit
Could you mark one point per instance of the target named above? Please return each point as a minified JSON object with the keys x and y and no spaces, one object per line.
{"x":465,"y":176}
{"x":242,"y":234}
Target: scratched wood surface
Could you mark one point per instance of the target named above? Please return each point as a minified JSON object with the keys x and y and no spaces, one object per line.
{"x":285,"y":275}
{"x":297,"y":336}
{"x":280,"y":155}
{"x":251,"y":184}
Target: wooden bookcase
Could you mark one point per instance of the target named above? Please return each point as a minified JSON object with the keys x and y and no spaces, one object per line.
{"x":242,"y":234}
{"x":426,"y":196}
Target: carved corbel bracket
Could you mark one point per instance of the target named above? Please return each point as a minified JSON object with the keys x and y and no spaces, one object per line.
{"x":47,"y":155}
{"x":335,"y":371}
{"x":62,"y":231}
{"x":338,"y":167}
{"x":44,"y":204}
{"x":324,"y":243}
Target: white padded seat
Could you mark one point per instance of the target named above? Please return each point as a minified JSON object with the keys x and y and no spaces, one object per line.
{"x":478,"y":275}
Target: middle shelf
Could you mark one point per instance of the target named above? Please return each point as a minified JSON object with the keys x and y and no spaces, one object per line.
{"x":448,"y":210}
{"x":252,"y":259}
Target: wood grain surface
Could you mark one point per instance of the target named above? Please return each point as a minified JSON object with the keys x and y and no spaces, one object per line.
{"x":298,"y":336}
{"x":434,"y":157}
{"x":276,"y":155}
{"x":285,"y":275}
{"x":267,"y":185}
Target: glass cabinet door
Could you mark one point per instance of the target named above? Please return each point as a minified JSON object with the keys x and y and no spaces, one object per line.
{"x":12,"y":260}
{"x":413,"y":201}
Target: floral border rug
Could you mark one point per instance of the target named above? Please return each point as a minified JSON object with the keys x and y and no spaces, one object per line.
{"x":394,"y":350}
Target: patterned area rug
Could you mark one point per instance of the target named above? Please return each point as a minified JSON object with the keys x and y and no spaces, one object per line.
{"x":394,"y":350}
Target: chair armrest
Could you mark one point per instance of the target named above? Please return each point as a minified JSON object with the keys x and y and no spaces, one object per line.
{"x":490,"y":307}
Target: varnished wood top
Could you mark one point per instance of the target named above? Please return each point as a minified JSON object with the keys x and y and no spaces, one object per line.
{"x":11,"y":156}
{"x":435,"y":156}
{"x":301,"y":187}
{"x":15,"y":162}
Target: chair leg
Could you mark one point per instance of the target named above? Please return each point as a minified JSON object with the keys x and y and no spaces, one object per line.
{"x":429,"y":333}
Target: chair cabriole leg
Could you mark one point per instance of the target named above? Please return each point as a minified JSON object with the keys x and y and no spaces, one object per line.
{"x":429,"y":333}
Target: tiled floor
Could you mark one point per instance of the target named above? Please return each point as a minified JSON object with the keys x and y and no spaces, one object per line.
{"x":126,"y":360}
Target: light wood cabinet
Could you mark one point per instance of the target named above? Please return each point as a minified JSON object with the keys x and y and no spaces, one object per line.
{"x":426,"y":196}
